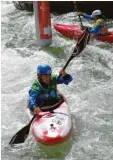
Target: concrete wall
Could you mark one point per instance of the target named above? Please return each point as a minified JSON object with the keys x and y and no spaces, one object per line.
{"x":55,"y":6}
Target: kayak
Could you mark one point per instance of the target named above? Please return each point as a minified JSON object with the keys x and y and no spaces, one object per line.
{"x":52,"y":127}
{"x":74,"y":32}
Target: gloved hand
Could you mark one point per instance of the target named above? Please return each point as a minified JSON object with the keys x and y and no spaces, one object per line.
{"x":62,"y":72}
{"x":79,"y":14}
{"x":37,"y":110}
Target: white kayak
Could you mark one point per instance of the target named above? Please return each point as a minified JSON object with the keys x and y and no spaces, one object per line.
{"x":52,"y":128}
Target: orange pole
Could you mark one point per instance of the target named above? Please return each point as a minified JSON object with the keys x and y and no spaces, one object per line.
{"x":43,"y":22}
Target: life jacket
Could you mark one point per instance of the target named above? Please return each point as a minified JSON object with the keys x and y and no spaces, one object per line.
{"x":103,"y":30}
{"x":51,"y":92}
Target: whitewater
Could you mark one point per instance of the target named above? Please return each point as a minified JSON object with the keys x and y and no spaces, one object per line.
{"x":90,"y":94}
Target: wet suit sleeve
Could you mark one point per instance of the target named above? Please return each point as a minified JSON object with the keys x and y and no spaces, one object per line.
{"x":64,"y":79}
{"x":87,"y":16}
{"x":33,"y":94}
{"x":32,"y":99}
{"x":95,"y":29}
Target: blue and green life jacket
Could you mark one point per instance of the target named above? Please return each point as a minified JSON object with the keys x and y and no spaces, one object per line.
{"x":46,"y":93}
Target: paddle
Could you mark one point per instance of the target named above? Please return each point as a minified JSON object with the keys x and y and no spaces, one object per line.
{"x":81,"y":44}
{"x":82,"y":27}
{"x":21,"y":135}
{"x":81,"y":24}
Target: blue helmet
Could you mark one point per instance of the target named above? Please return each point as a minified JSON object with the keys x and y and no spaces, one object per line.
{"x":44,"y":69}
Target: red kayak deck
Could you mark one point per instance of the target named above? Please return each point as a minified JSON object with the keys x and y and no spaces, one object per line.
{"x":74,"y":32}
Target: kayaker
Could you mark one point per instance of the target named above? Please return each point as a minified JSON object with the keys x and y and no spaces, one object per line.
{"x":100,"y":27}
{"x":45,"y":86}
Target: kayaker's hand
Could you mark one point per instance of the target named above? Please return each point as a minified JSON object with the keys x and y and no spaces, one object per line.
{"x":62,"y":72}
{"x":79,"y":13}
{"x":37,"y":110}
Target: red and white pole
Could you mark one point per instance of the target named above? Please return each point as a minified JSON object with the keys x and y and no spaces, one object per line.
{"x":42,"y":22}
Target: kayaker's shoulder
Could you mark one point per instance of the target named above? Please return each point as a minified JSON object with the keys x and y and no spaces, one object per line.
{"x":54,"y":76}
{"x":35,"y":84}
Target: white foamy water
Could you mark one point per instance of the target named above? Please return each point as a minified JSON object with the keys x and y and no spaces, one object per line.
{"x":90,"y":95}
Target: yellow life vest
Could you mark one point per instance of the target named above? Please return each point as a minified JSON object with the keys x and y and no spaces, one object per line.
{"x":101,"y":22}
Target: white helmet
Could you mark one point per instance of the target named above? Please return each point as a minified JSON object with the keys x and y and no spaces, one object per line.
{"x":96,"y":13}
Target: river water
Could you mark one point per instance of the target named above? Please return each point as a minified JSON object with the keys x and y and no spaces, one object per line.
{"x":90,"y":95}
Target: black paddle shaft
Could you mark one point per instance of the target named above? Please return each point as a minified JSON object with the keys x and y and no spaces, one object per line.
{"x":68,"y":62}
{"x":82,"y":27}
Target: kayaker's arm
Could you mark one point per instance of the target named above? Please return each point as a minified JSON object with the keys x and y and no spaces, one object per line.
{"x":95,"y":30}
{"x":32,"y":99}
{"x":64,"y":78}
{"x":85,"y":15}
